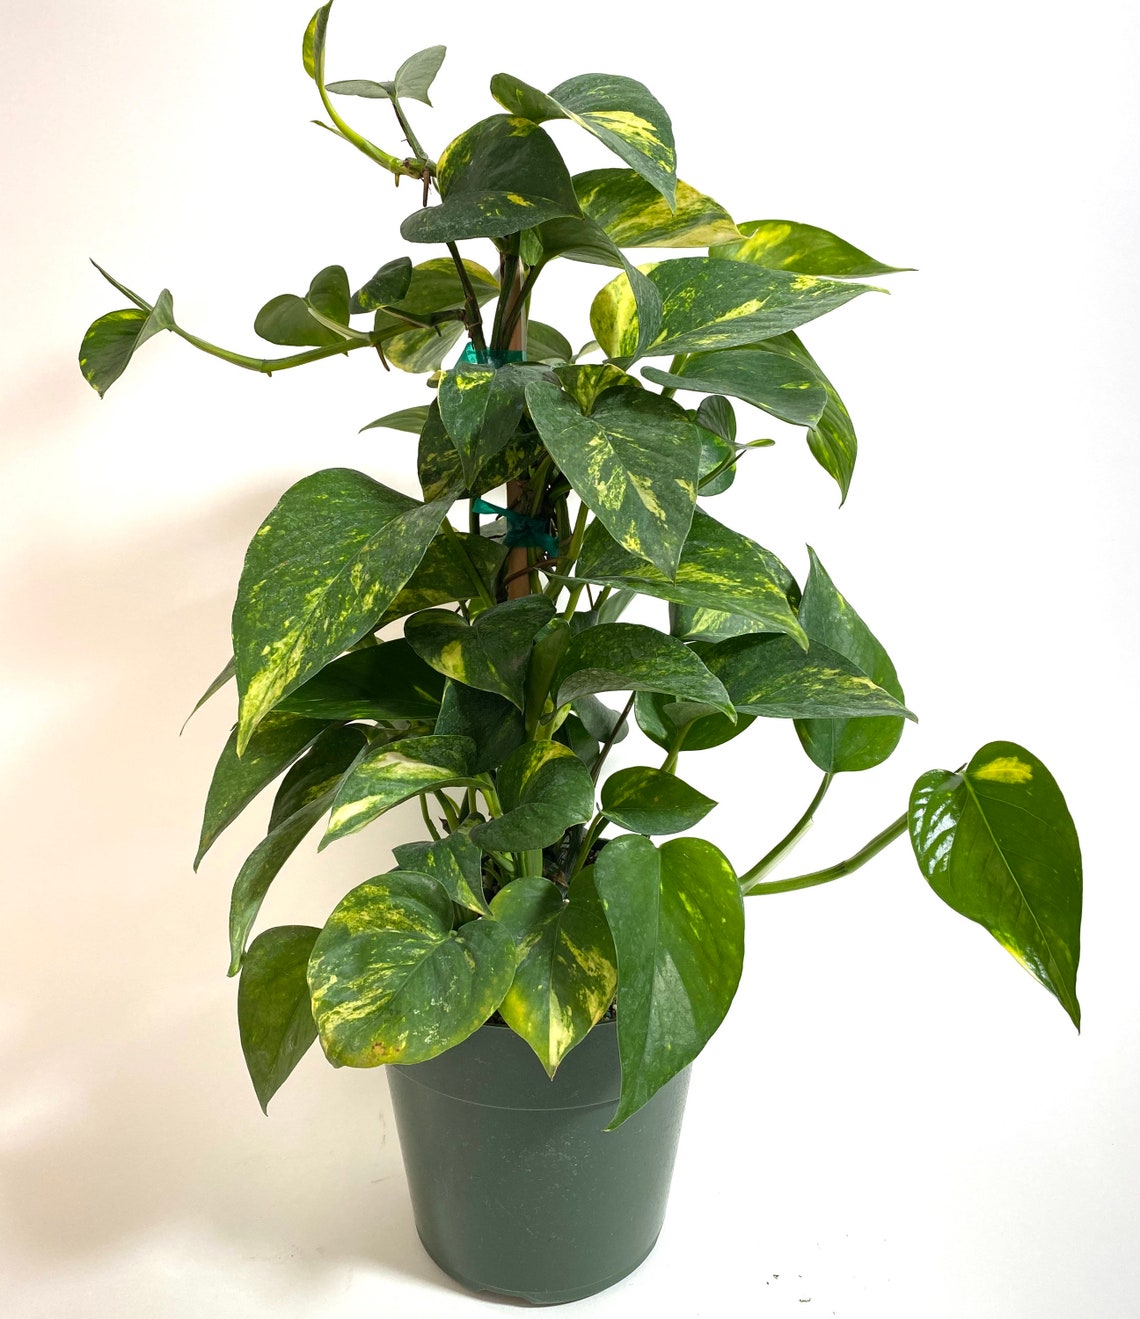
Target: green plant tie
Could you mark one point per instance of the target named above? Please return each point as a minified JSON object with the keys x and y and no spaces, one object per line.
{"x":493,"y":356}
{"x":521,"y":530}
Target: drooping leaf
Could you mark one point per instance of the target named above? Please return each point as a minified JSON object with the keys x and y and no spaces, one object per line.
{"x":719,"y":569}
{"x":802,"y":248}
{"x":634,"y":461}
{"x":450,"y":570}
{"x":500,"y":176}
{"x":434,"y":292}
{"x":393,"y":981}
{"x":618,"y":111}
{"x":111,"y":340}
{"x":480,"y":407}
{"x":386,"y":681}
{"x":455,"y":862}
{"x":391,"y":283}
{"x":997,"y":843}
{"x":394,"y":772}
{"x":279,"y":740}
{"x":566,"y":974}
{"x":677,"y":921}
{"x":846,"y":745}
{"x":709,"y":304}
{"x":633,"y":214}
{"x":407,"y":419}
{"x":766,"y":380}
{"x":288,"y":319}
{"x":491,"y":722}
{"x":652,"y":801}
{"x":275,"y":1018}
{"x":627,"y":657}
{"x":544,"y":789}
{"x":305,"y":794}
{"x":492,"y":653}
{"x":318,"y":575}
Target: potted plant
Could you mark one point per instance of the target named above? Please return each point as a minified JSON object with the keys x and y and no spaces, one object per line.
{"x":539,"y":965}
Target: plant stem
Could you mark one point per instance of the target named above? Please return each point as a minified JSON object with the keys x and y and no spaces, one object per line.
{"x":474,"y":318}
{"x":427,"y":818}
{"x":841,"y":868}
{"x":588,"y":842}
{"x":267,"y":365}
{"x":611,"y":738}
{"x":411,"y":138}
{"x":577,"y":536}
{"x":448,"y":808}
{"x":790,"y":839}
{"x":674,"y":366}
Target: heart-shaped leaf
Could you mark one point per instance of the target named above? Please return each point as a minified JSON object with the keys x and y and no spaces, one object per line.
{"x":111,"y":341}
{"x":275,"y":1018}
{"x":386,"y":681}
{"x":766,"y":380}
{"x":652,"y":801}
{"x":391,"y":283}
{"x":393,"y":981}
{"x":288,"y":319}
{"x":441,"y":472}
{"x":634,"y":461}
{"x":318,"y":575}
{"x":677,"y":921}
{"x":434,"y":292}
{"x":455,"y":862}
{"x":413,"y":79}
{"x":586,"y":384}
{"x":634,"y":214}
{"x":997,"y":843}
{"x":546,"y":344}
{"x":480,"y":407}
{"x":544,"y":789}
{"x":452,"y":569}
{"x":787,"y":245}
{"x":566,"y":974}
{"x":492,"y":653}
{"x":491,"y":722}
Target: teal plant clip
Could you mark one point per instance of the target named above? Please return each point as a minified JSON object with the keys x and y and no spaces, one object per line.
{"x":493,"y":356}
{"x":521,"y":530}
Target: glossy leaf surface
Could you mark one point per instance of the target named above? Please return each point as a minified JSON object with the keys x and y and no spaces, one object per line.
{"x":846,"y":745}
{"x":391,"y":773}
{"x":392,"y":980}
{"x":802,"y":248}
{"x":766,"y":380}
{"x":275,"y":1019}
{"x":546,"y":344}
{"x":410,"y":420}
{"x":491,"y":722}
{"x":544,"y":789}
{"x":634,"y":461}
{"x":997,"y":843}
{"x":652,"y":801}
{"x":566,"y":974}
{"x":586,"y":384}
{"x":455,"y":862}
{"x":677,"y":921}
{"x":391,"y":283}
{"x":441,"y":471}
{"x":480,"y":407}
{"x":386,"y":681}
{"x":634,"y":214}
{"x":318,"y":575}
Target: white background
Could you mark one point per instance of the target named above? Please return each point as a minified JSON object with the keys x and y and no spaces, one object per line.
{"x":894,"y":1120}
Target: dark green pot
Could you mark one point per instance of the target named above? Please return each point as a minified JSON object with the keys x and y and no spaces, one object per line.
{"x":515,"y":1186}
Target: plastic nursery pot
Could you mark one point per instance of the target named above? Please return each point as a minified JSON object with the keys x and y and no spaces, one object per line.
{"x":515,"y":1185}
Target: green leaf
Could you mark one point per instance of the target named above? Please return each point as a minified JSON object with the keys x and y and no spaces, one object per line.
{"x":766,"y":380}
{"x":634,"y":215}
{"x":492,"y":653}
{"x":455,"y":862}
{"x":279,"y":740}
{"x":288,"y":319}
{"x":391,"y":283}
{"x":386,"y":681}
{"x":546,"y":344}
{"x":411,"y":420}
{"x":599,"y":720}
{"x":719,"y":569}
{"x":586,"y":384}
{"x":678,"y":926}
{"x":677,"y":726}
{"x":318,"y":575}
{"x":630,"y":657}
{"x":652,"y":801}
{"x":544,"y":789}
{"x":492,"y":723}
{"x":393,"y":981}
{"x":313,"y":46}
{"x":447,"y":572}
{"x":480,"y":407}
{"x":417,"y":73}
{"x":786,"y":245}
{"x":111,"y":341}
{"x":365,"y":87}
{"x":306,"y":793}
{"x":709,"y":304}
{"x":566,"y":974}
{"x":392,"y":773}
{"x":216,"y":686}
{"x":997,"y":843}
{"x":634,"y":461}
{"x":434,"y":291}
{"x":618,"y":111}
{"x":440,"y":470}
{"x":502,"y":175}
{"x":846,"y":745}
{"x":275,"y":1018}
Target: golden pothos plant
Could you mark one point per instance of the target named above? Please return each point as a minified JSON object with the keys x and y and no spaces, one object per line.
{"x":381,"y":655}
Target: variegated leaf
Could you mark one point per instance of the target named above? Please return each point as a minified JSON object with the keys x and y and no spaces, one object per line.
{"x":652,"y":801}
{"x":629,"y":657}
{"x":586,"y":384}
{"x":634,"y":461}
{"x":566,"y":974}
{"x":384,"y":682}
{"x":803,"y":248}
{"x":843,"y":745}
{"x":492,"y":653}
{"x":237,"y":780}
{"x":709,"y":304}
{"x":480,"y":407}
{"x":766,"y":380}
{"x":491,"y":722}
{"x":544,"y":789}
{"x":683,"y":726}
{"x":313,"y":45}
{"x":111,"y":341}
{"x":677,"y":921}
{"x":500,"y":176}
{"x":634,"y":214}
{"x":448,"y":571}
{"x":455,"y":862}
{"x":318,"y":575}
{"x":435,"y":290}
{"x":719,"y":569}
{"x":441,"y":472}
{"x":275,"y":1017}
{"x":394,"y":772}
{"x":393,"y":981}
{"x":997,"y":843}
{"x":390,"y":283}
{"x":620,"y":112}
{"x":306,"y":793}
